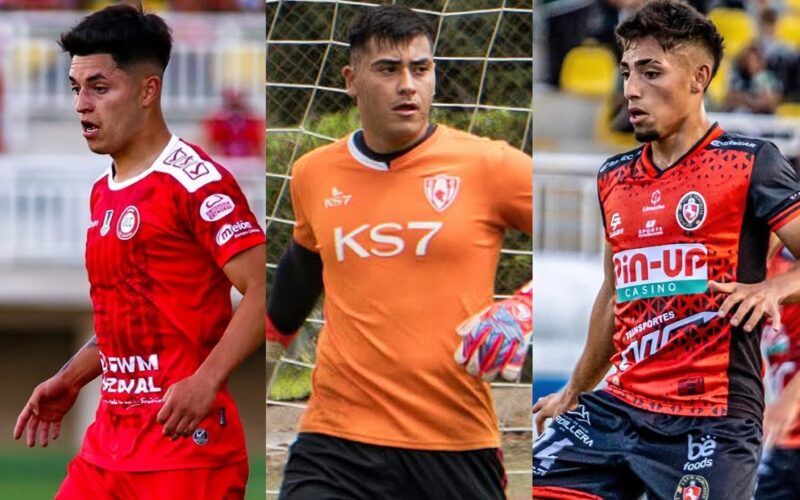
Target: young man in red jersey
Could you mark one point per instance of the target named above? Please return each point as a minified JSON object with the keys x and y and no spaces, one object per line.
{"x":171,"y":232}
{"x":687,"y":219}
{"x":403,"y":222}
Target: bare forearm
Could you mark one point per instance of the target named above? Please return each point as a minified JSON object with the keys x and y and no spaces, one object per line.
{"x":84,"y":366}
{"x":596,"y":357}
{"x":245,"y":333}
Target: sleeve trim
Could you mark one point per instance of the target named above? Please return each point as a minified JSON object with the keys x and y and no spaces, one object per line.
{"x":784,"y":216}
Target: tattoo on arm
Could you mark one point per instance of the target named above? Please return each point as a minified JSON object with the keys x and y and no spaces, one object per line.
{"x":91,"y":343}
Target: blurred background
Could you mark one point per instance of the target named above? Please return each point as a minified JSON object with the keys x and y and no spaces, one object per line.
{"x":484,"y":82}
{"x":580,"y":119}
{"x":213,"y":96}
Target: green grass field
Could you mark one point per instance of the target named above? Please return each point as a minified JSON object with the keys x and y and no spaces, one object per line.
{"x":36,"y":476}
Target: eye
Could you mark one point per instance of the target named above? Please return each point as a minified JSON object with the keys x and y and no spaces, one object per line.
{"x":387,"y":70}
{"x":625,"y":74}
{"x":75,"y":89}
{"x":651,"y":74}
{"x":100,"y":89}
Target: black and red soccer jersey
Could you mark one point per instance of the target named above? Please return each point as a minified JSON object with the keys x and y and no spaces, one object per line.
{"x":154,"y":255}
{"x":706,"y":217}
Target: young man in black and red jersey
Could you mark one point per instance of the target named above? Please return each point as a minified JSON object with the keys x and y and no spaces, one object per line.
{"x":687,"y":219}
{"x":170,"y":233}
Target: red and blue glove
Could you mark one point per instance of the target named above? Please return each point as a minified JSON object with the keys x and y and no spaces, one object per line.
{"x":495,"y":341}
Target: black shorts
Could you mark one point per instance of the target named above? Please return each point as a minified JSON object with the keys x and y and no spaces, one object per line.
{"x":779,"y":475}
{"x":327,"y":467}
{"x":608,"y":449}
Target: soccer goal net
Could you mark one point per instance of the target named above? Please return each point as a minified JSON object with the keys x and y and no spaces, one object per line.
{"x":484,"y":83}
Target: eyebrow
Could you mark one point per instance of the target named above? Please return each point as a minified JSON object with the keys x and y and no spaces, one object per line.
{"x":641,"y":62}
{"x":389,"y":61}
{"x":92,"y":78}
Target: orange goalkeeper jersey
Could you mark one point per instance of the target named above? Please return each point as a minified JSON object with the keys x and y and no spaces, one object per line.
{"x":409,"y":251}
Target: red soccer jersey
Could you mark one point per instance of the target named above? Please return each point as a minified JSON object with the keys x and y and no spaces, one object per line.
{"x":706,"y":217}
{"x":783,"y":346}
{"x":154,"y":255}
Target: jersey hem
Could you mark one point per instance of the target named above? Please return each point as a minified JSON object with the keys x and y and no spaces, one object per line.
{"x":563,"y":493}
{"x":705,"y":411}
{"x":411,"y":445}
{"x":155,"y":466}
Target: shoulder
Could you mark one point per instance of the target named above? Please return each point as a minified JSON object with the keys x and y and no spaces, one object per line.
{"x":737,"y":142}
{"x":620,"y":160}
{"x":465,"y":144}
{"x":323,"y":155}
{"x":189,"y":166}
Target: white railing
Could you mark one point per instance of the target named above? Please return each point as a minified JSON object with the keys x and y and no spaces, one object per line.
{"x":211,"y":52}
{"x":44,"y":204}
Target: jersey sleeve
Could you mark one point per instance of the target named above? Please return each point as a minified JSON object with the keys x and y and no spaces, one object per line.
{"x":221,"y":220}
{"x":774,"y":188}
{"x":303,"y":232}
{"x":512,"y":182}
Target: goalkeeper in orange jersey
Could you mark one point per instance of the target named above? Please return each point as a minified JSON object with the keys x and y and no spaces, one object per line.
{"x":402,"y":221}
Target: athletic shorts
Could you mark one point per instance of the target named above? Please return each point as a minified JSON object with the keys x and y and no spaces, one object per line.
{"x":779,"y":475}
{"x":331,"y":468}
{"x":607,"y":449}
{"x":87,"y":481}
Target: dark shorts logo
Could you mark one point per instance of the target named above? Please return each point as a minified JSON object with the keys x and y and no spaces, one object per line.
{"x":200,"y":437}
{"x":692,"y":487}
{"x":691,"y":211}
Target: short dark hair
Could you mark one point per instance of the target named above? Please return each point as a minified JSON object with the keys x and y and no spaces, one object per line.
{"x":672,"y":23}
{"x":392,"y":24}
{"x":129,"y":35}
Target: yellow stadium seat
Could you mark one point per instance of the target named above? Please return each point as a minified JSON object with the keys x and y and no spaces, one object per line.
{"x":243,"y":65}
{"x":589,"y":71}
{"x":792,"y":5}
{"x":787,"y":30}
{"x":788,"y":109}
{"x":33,"y":57}
{"x":735,"y":26}
{"x":719,"y":85}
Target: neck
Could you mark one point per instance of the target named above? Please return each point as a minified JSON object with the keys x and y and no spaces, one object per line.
{"x":140,"y":153}
{"x":382,"y":145}
{"x":667,"y":150}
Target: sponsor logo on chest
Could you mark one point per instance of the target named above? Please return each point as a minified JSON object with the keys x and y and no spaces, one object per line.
{"x":660,"y":271}
{"x":106,"y":222}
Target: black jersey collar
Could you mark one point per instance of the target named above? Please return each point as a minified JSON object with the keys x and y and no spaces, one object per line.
{"x":647,"y":155}
{"x":380,"y":161}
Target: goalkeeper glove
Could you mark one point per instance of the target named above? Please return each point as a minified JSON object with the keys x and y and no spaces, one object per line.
{"x":496,"y":339}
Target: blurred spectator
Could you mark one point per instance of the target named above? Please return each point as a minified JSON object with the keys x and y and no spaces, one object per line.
{"x":753,"y":88}
{"x":781,"y":60}
{"x":235,"y":130}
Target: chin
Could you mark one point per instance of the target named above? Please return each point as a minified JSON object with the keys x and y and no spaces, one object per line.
{"x":646,"y":135}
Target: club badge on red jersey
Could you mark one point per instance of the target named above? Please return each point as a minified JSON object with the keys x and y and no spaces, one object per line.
{"x":128,"y":223}
{"x":691,"y":211}
{"x":441,"y":190}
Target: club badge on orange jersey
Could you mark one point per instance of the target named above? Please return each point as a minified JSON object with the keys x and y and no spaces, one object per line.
{"x":441,"y":190}
{"x":692,"y":487}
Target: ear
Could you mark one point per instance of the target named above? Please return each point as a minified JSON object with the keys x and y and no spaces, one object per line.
{"x":701,"y":78}
{"x":349,"y":74}
{"x":151,"y":90}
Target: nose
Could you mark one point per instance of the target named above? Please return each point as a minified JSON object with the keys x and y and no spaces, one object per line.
{"x":83,"y":103}
{"x":405,"y":84}
{"x":630,"y":88}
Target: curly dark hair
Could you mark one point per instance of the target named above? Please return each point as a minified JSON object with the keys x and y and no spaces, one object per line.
{"x":129,"y":35}
{"x":392,"y":24}
{"x":672,"y":23}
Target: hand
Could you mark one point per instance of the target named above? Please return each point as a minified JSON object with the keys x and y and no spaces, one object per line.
{"x":757,"y":299}
{"x":551,"y":406}
{"x":496,"y":339}
{"x":45,"y":410}
{"x":186,"y":403}
{"x":779,"y":418}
